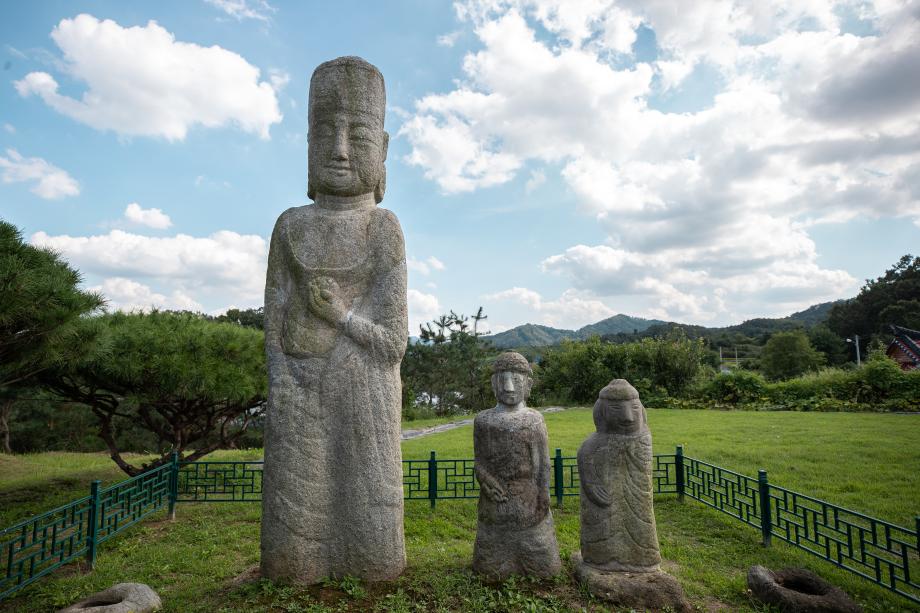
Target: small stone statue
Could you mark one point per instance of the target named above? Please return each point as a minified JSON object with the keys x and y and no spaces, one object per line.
{"x":620,"y":560}
{"x":515,"y":533}
{"x":335,"y":332}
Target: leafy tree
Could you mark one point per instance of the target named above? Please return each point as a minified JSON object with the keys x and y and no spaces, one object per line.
{"x":575,"y":371}
{"x":893,"y":298}
{"x":788,"y":354}
{"x":446,"y":371}
{"x":39,"y":307}
{"x":250,"y":318}
{"x":196,"y":385}
{"x":830,"y":344}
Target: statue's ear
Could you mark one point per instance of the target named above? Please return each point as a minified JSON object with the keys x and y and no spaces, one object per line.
{"x":386,"y":144}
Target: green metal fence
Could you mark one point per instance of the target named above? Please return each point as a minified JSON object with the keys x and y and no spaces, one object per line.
{"x":37,"y":546}
{"x":884,"y":553}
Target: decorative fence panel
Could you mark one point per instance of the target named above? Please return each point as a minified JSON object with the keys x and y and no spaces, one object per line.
{"x":33,"y":548}
{"x":124,"y":504}
{"x":219,"y":482}
{"x":882,"y":552}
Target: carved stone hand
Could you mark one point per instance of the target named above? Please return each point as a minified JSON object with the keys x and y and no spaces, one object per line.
{"x":326,"y":304}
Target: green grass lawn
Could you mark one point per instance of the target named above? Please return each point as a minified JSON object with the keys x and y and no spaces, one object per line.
{"x":865,"y":462}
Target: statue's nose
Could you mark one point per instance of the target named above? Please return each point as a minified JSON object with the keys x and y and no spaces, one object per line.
{"x":340,"y":147}
{"x":508,"y":383}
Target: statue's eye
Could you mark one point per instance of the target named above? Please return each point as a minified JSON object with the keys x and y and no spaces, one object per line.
{"x":360,"y":132}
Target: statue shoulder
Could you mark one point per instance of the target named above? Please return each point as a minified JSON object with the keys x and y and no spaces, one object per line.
{"x":387,"y":238}
{"x":291,"y":215}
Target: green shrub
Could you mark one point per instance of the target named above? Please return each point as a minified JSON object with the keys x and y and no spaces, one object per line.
{"x":736,"y":387}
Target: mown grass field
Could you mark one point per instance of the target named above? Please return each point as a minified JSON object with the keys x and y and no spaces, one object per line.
{"x":864,"y":462}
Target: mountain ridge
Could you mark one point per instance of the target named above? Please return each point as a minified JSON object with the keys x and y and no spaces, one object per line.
{"x":623,"y":326}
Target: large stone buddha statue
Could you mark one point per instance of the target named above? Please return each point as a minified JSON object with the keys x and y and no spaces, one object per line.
{"x":335,"y":332}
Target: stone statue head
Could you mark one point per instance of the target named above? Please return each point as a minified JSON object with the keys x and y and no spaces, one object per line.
{"x":511,"y":379}
{"x":347,"y":142}
{"x":618,"y":409}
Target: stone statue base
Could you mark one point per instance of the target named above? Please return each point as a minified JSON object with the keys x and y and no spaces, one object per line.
{"x":653,"y":590}
{"x":500,"y":552}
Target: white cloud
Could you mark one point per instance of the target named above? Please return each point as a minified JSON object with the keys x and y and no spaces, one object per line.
{"x":152,"y":218}
{"x":126,"y":295}
{"x":245,"y":9}
{"x":279,"y":79}
{"x":449,"y":39}
{"x":50,"y":181}
{"x":422,"y":309}
{"x":572,"y":310}
{"x":537,"y":178}
{"x":425,"y":267}
{"x":222,"y":268}
{"x":142,"y":82}
{"x":9,"y":128}
{"x":706,"y":212}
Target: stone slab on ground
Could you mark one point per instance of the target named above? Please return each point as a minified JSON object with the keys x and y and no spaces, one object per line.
{"x":120,"y":598}
{"x":796,"y":590}
{"x":653,"y":591}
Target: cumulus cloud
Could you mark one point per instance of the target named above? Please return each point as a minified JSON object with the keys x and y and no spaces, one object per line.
{"x":573,"y":309}
{"x":706,"y":212}
{"x":152,"y":218}
{"x":422,"y":309}
{"x":141,"y":81}
{"x":127,"y":295}
{"x":222,"y":268}
{"x":425,"y":267}
{"x":449,"y":39}
{"x":50,"y":182}
{"x":537,"y":178}
{"x":259,"y":10}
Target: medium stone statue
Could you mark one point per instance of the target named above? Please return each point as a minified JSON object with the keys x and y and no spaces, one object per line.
{"x":335,"y":332}
{"x":620,"y":559}
{"x":515,"y":533}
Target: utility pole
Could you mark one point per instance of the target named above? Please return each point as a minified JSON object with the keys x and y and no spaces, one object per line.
{"x":855,"y":341}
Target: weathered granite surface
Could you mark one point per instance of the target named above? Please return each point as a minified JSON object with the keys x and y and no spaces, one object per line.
{"x":654,"y":591}
{"x":620,"y":559}
{"x":120,"y":598}
{"x":615,"y":470}
{"x":515,"y":533}
{"x":335,"y":332}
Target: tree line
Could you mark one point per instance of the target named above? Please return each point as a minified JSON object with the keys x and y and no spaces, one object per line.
{"x":74,"y":375}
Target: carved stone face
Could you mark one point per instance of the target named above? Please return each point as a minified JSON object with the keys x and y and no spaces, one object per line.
{"x":511,"y":388}
{"x":347,"y":143}
{"x":618,"y":416}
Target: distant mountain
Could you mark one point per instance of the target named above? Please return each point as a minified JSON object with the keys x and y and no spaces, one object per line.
{"x":815,"y":314}
{"x":529,"y":335}
{"x":533,"y":335}
{"x":617,"y":324}
{"x":623,"y":328}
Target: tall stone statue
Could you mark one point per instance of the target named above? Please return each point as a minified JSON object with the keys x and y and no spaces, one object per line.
{"x":515,"y":533}
{"x":335,"y":332}
{"x":619,"y":559}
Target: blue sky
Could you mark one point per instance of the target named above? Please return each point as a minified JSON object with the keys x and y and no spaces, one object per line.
{"x":555,"y":162}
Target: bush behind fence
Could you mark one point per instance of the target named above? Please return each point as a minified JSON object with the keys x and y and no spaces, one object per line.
{"x":882,"y":552}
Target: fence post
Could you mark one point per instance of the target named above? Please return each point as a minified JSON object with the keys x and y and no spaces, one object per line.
{"x":557,"y":475}
{"x":917,"y":529}
{"x":173,"y":485}
{"x":93,"y":521}
{"x":433,"y":479}
{"x":679,"y":470}
{"x":766,"y":520}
